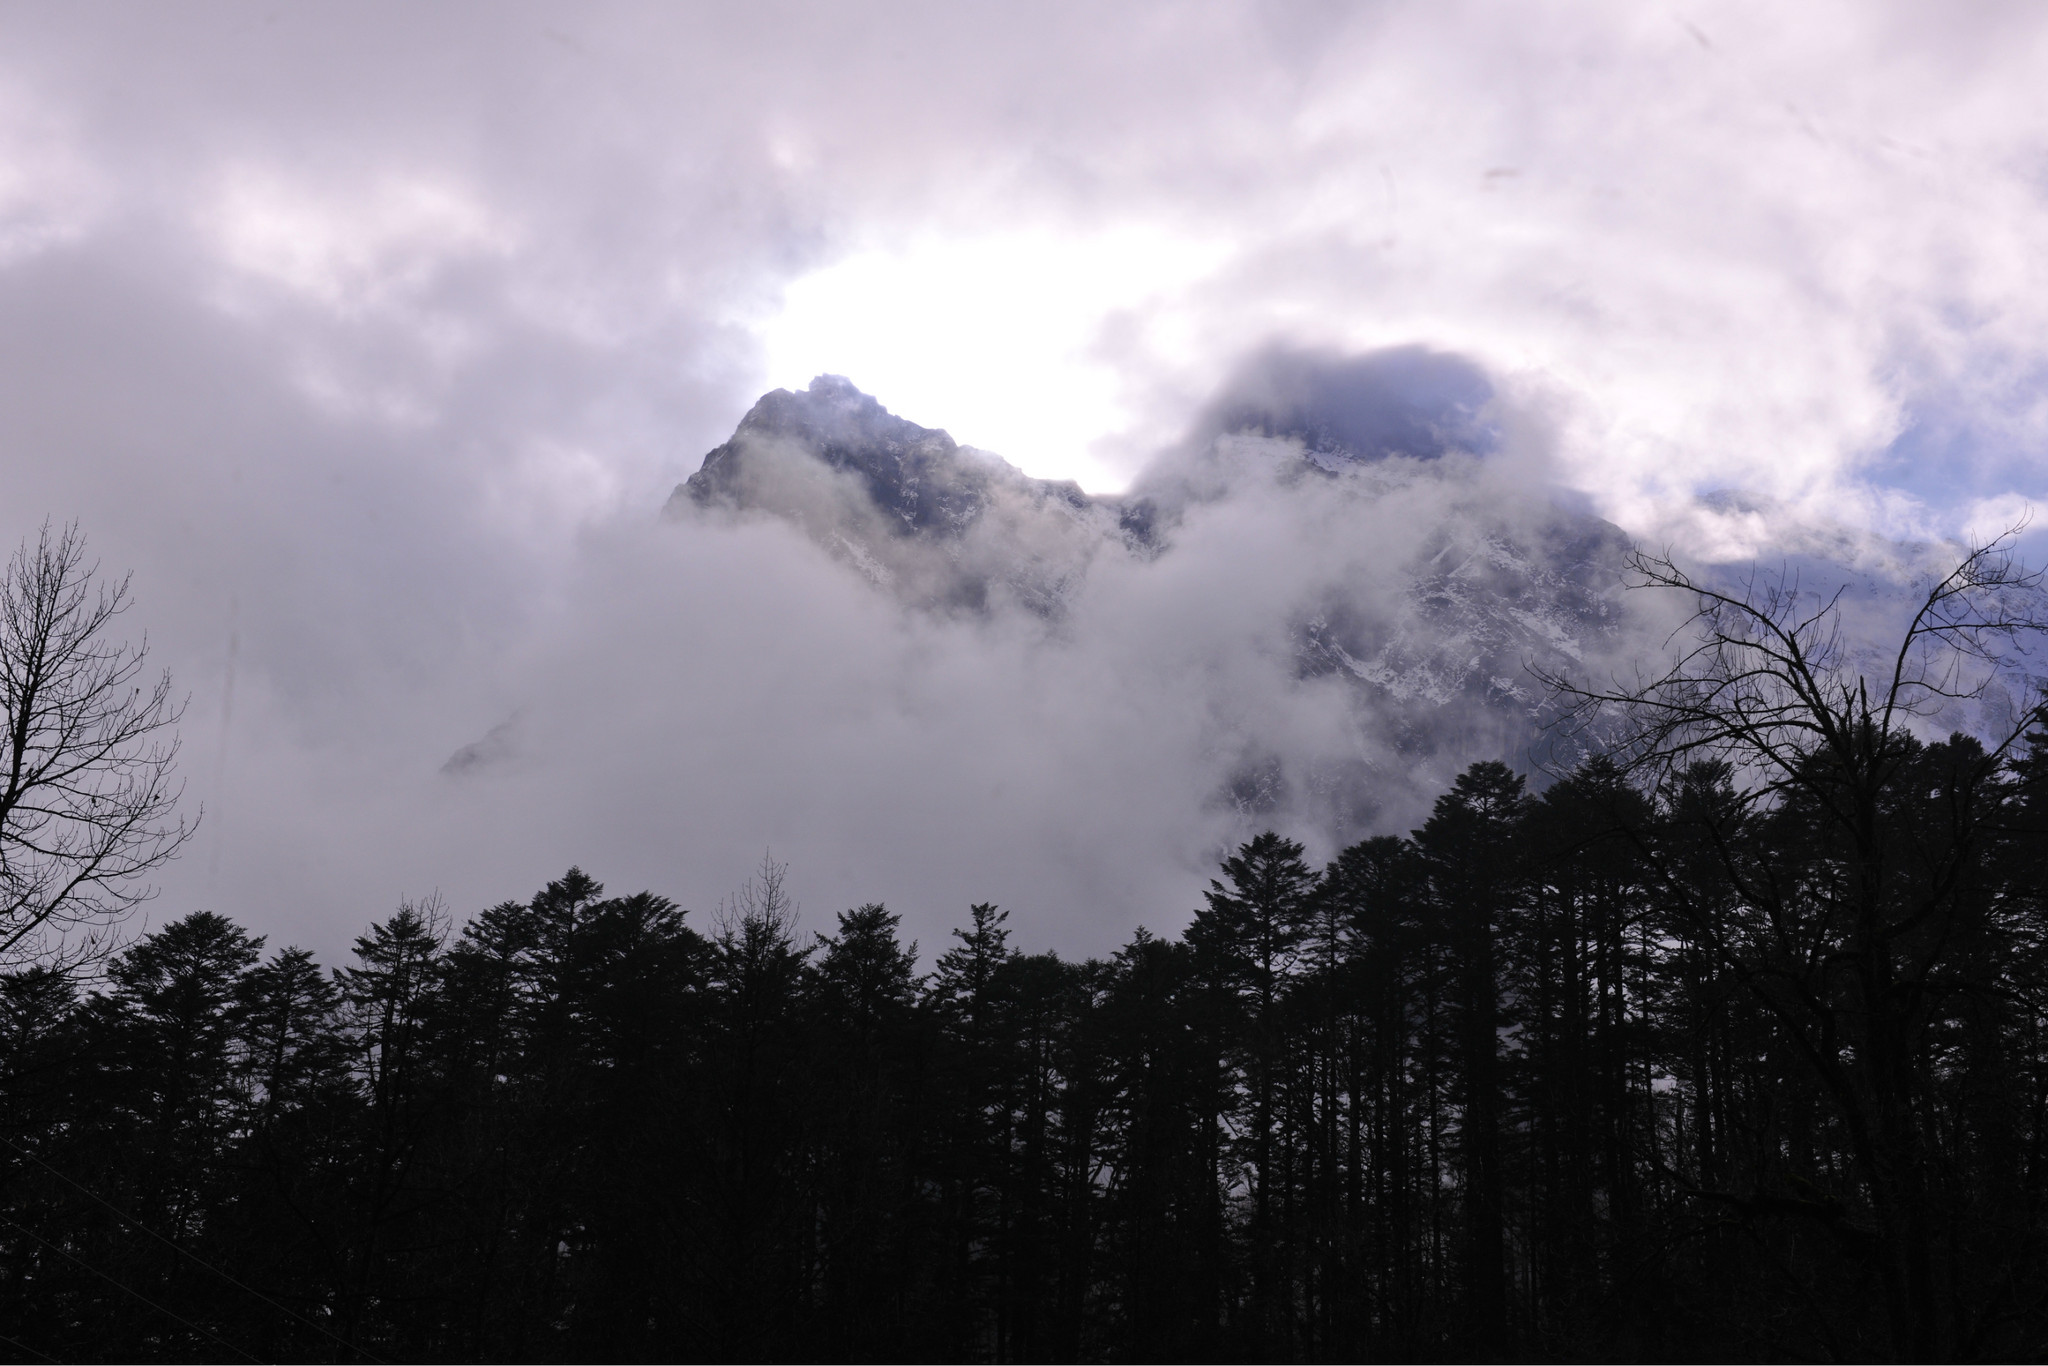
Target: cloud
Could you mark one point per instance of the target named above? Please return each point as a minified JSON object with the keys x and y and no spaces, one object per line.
{"x":1401,"y":401}
{"x":989,"y":328}
{"x":373,"y":337}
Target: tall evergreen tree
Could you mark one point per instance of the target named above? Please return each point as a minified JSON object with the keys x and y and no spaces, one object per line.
{"x":1246,"y":938}
{"x":1472,"y":847}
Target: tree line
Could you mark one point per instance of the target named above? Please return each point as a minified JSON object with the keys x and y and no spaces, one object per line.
{"x":1544,"y":1079}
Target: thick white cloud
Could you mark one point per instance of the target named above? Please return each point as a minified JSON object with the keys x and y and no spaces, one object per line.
{"x":371,"y":337}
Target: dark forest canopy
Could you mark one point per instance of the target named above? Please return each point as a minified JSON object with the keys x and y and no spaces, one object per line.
{"x":1585,"y":1074}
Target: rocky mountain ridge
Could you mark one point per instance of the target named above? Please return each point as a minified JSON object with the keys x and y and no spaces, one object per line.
{"x":1334,"y":539}
{"x":1413,"y":583}
{"x":941,"y":524}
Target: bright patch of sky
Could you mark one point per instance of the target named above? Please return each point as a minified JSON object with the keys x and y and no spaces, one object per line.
{"x":1016,"y":342}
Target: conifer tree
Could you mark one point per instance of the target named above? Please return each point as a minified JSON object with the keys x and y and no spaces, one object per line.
{"x":1472,"y":848}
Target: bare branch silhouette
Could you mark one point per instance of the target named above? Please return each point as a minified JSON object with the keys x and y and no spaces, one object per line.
{"x":87,"y":787}
{"x":1765,"y":681}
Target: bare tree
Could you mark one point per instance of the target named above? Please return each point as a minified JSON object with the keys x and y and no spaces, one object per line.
{"x":1767,"y":681}
{"x":1851,"y":947}
{"x":761,"y":908}
{"x":88,"y":793}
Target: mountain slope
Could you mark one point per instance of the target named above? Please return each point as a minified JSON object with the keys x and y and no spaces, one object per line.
{"x":940,"y":524}
{"x":1408,"y":585}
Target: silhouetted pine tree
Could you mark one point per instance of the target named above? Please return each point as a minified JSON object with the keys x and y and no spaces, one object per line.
{"x":1473,"y":850}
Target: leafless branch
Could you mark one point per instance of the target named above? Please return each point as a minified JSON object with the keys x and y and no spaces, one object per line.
{"x":87,"y":784}
{"x":761,"y":905}
{"x":1765,"y":681}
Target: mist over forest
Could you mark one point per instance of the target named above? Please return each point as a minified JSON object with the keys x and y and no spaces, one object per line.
{"x":1722,"y":1039}
{"x":1281,"y":680}
{"x":1606,"y":1073}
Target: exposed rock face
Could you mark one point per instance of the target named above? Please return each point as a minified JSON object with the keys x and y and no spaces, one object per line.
{"x":941,"y":524}
{"x":916,"y":477}
{"x":1482,"y":606}
{"x":1432,"y":591}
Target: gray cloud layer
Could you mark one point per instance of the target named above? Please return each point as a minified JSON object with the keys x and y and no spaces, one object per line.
{"x":372,"y":338}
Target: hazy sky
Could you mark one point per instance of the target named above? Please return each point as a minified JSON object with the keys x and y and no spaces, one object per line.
{"x":372,"y":338}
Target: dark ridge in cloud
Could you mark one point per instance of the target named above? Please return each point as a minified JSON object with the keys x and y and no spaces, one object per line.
{"x":1405,"y":400}
{"x":499,"y":743}
{"x":915,"y":476}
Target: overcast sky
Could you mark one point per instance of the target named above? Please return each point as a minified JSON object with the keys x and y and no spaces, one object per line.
{"x":372,"y":338}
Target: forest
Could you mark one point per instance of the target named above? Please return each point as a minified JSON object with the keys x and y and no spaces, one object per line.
{"x":1725,"y":1042}
{"x":1582,"y":1074}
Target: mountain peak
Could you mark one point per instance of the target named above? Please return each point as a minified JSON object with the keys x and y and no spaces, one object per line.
{"x":913,"y":474}
{"x":833,"y":409}
{"x":910,"y":507}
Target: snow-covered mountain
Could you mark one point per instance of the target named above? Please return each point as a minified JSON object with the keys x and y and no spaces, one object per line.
{"x":1346,"y":561}
{"x":1405,"y":578}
